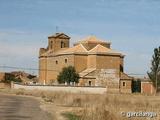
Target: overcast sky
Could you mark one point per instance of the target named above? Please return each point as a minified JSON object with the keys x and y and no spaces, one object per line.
{"x":133,"y":27}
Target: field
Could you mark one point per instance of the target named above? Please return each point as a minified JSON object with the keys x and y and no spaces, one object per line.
{"x":97,"y":107}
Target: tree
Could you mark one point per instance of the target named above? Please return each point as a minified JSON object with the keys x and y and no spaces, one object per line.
{"x":155,"y":68}
{"x":136,"y":85}
{"x":10,"y":77}
{"x":68,"y":74}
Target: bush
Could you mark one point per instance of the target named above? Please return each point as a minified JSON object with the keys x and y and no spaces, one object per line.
{"x":9,"y":77}
{"x":68,"y":75}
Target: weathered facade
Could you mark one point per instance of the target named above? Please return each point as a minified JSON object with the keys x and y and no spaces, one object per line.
{"x":94,"y":60}
{"x":125,"y":83}
{"x":2,"y":76}
{"x":147,"y":87}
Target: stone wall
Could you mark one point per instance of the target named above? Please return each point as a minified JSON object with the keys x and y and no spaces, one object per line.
{"x":2,"y":75}
{"x":4,"y":85}
{"x":42,"y":69}
{"x":91,"y":61}
{"x":55,"y":43}
{"x":53,"y":65}
{"x":109,"y":78}
{"x":126,"y":86}
{"x":80,"y":62}
{"x":147,"y":88}
{"x":90,"y":90}
{"x":108,"y":62}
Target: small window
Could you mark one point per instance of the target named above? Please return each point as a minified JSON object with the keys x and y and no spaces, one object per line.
{"x":66,"y":61}
{"x":124,"y":83}
{"x":62,"y":44}
{"x":90,"y":83}
{"x":56,"y":62}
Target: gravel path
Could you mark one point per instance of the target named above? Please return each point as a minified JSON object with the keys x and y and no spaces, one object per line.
{"x":14,"y":107}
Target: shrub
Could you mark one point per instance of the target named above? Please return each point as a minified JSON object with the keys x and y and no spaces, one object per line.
{"x":10,"y":77}
{"x":68,"y":75}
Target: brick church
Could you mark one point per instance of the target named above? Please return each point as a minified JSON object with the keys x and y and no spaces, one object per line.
{"x":94,"y":60}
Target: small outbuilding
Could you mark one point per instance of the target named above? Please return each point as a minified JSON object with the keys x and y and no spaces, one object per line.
{"x":147,"y":87}
{"x":125,"y":83}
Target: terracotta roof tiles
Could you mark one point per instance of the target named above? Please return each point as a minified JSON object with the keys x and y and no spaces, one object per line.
{"x":92,"y":39}
{"x":76,"y":49}
{"x":101,"y":49}
{"x":124,"y":76}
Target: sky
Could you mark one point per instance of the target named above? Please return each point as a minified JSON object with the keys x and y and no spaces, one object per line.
{"x":132,"y":26}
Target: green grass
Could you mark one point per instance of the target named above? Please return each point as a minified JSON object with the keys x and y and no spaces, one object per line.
{"x":71,"y":116}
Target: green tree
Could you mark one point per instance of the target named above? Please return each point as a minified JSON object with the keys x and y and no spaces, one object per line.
{"x":155,"y":68}
{"x":9,"y":77}
{"x":68,"y":74}
{"x":136,"y":85}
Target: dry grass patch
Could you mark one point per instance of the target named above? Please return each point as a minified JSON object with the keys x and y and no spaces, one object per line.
{"x":98,"y":107}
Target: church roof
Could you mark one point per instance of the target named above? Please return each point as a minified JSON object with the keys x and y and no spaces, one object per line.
{"x":76,"y":49}
{"x":101,"y":49}
{"x":92,"y":39}
{"x":86,"y":72}
{"x":59,"y":35}
{"x":80,"y":48}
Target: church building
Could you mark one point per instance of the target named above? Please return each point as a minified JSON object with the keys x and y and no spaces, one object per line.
{"x":94,"y":59}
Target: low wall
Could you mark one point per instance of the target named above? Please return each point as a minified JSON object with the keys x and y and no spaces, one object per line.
{"x":147,"y":88}
{"x":4,"y":85}
{"x":92,"y":90}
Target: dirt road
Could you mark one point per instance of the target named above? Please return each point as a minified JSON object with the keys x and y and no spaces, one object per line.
{"x":14,"y":107}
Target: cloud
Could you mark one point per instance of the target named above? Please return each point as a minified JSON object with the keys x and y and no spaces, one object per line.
{"x":16,"y":50}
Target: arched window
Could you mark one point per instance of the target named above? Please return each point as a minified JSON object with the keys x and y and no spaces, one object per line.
{"x":124,"y":84}
{"x":51,"y":44}
{"x":56,"y":62}
{"x":66,"y":60}
{"x":90,"y":83}
{"x":62,"y":44}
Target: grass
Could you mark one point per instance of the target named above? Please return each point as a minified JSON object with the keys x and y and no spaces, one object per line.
{"x":96,"y":107}
{"x":71,"y":116}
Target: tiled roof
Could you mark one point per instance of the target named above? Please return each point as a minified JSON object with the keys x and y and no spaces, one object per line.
{"x":101,"y":49}
{"x":124,"y":76}
{"x":79,"y":48}
{"x":86,"y":72}
{"x":59,"y":35}
{"x":92,"y":39}
{"x":76,"y":49}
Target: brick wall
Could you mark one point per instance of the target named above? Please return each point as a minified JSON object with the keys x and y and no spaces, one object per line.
{"x":4,"y":85}
{"x":2,"y":75}
{"x":147,"y":88}
{"x":80,"y":62}
{"x":125,"y":86}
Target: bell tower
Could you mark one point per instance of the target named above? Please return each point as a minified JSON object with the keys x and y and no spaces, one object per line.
{"x":58,"y":41}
